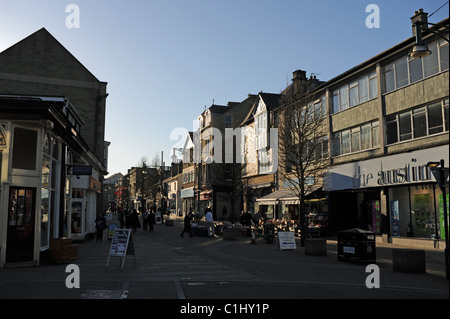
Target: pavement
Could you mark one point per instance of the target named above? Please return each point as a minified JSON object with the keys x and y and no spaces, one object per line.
{"x":168,"y":267}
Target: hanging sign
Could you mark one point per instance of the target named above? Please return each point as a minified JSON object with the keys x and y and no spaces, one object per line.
{"x":286,"y":240}
{"x":121,"y":245}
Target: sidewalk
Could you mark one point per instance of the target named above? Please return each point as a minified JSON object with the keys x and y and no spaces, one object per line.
{"x":170,"y":267}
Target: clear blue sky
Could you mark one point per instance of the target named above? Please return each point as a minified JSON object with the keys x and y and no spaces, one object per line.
{"x":165,"y":60}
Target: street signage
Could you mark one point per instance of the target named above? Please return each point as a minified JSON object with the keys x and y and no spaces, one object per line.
{"x":121,"y":245}
{"x":286,"y":240}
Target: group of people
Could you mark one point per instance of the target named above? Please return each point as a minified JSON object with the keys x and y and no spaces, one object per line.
{"x":210,"y":228}
{"x":131,"y":220}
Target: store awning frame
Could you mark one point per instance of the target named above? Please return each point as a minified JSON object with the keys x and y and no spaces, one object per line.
{"x":287,"y":196}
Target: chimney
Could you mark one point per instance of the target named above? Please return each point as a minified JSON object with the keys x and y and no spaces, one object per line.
{"x":299,"y":75}
{"x":420,"y":16}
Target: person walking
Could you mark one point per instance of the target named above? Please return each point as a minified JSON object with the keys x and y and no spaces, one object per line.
{"x":134,"y":221}
{"x":121,"y":218}
{"x":187,"y":225}
{"x":209,"y":223}
{"x":145,"y":215}
{"x":151,"y":220}
{"x":100,"y":226}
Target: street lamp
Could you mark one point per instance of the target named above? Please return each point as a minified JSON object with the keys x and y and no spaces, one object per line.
{"x":440,"y":173}
{"x":420,"y":23}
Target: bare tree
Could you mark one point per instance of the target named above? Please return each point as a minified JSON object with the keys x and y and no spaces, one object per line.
{"x":303,"y":145}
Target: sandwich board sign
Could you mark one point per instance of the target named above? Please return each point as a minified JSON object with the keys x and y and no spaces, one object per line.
{"x":286,"y":240}
{"x":121,"y":245}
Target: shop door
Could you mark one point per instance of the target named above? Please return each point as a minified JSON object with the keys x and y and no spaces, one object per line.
{"x":20,"y":234}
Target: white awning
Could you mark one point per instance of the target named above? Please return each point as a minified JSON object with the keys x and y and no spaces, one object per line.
{"x":286,"y":196}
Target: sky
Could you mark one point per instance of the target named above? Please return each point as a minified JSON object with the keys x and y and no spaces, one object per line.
{"x":166,"y":60}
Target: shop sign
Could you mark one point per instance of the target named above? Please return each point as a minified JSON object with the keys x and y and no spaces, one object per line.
{"x":406,"y":168}
{"x":205,"y":196}
{"x":286,"y":240}
{"x":95,"y":185}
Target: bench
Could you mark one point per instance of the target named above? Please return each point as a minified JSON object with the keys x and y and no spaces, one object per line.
{"x":316,"y":247}
{"x":408,"y":260}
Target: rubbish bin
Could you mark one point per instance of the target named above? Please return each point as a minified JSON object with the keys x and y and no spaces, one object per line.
{"x":269,"y":233}
{"x":357,"y":246}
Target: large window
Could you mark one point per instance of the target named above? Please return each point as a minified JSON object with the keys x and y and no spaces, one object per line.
{"x":24,"y":149}
{"x":50,"y":187}
{"x":418,"y":122}
{"x":357,"y":139}
{"x":406,"y":70}
{"x":356,"y":92}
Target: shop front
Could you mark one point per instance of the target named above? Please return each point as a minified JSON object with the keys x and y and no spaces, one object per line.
{"x":282,"y":207}
{"x":395,"y":195}
{"x":36,"y":153}
{"x":187,"y":197}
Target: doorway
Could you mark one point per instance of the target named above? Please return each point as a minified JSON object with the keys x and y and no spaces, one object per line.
{"x":21,"y":220}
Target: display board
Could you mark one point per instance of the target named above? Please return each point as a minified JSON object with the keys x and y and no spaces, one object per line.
{"x":121,"y":245}
{"x":286,"y":240}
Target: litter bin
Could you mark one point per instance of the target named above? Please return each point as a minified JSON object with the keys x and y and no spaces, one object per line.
{"x":269,"y":233}
{"x":357,"y":246}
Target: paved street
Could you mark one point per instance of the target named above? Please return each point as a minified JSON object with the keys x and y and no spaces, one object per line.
{"x":167,"y":266}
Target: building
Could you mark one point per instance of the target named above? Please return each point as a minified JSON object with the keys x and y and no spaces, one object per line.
{"x":40,"y":65}
{"x":388,"y":117}
{"x":55,"y":107}
{"x":259,"y":176}
{"x":48,"y":174}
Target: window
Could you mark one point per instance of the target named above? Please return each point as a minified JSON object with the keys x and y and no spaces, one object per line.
{"x":335,"y":101}
{"x":261,"y":130}
{"x":405,"y":126}
{"x":345,"y":143}
{"x":228,"y":121}
{"x":430,"y":63}
{"x":443,"y":55}
{"x":401,"y":73}
{"x":435,"y":124}
{"x":355,"y":140}
{"x":419,"y":122}
{"x":391,"y":128}
{"x":363,"y":87}
{"x":264,"y":162}
{"x":373,"y":86}
{"x":415,"y":70}
{"x":343,"y":97}
{"x":389,"y":77}
{"x":405,"y":70}
{"x":353,"y":93}
{"x":24,"y":149}
{"x":375,"y":134}
{"x":446,"y":118}
{"x":365,"y":136}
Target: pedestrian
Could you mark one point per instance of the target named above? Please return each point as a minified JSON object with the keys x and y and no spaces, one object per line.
{"x":121,"y":218}
{"x":187,"y":225}
{"x":100,"y":226}
{"x":134,"y":221}
{"x":209,"y":223}
{"x":151,"y":220}
{"x":145,"y":215}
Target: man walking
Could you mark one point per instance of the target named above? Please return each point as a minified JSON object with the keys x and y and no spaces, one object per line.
{"x":209,"y":223}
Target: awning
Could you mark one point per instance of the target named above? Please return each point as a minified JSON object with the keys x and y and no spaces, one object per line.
{"x":286,"y":196}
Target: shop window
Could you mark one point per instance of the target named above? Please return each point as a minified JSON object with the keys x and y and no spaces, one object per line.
{"x":24,"y":149}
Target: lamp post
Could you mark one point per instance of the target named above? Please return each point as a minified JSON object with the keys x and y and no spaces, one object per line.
{"x":420,"y":23}
{"x":440,"y":173}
